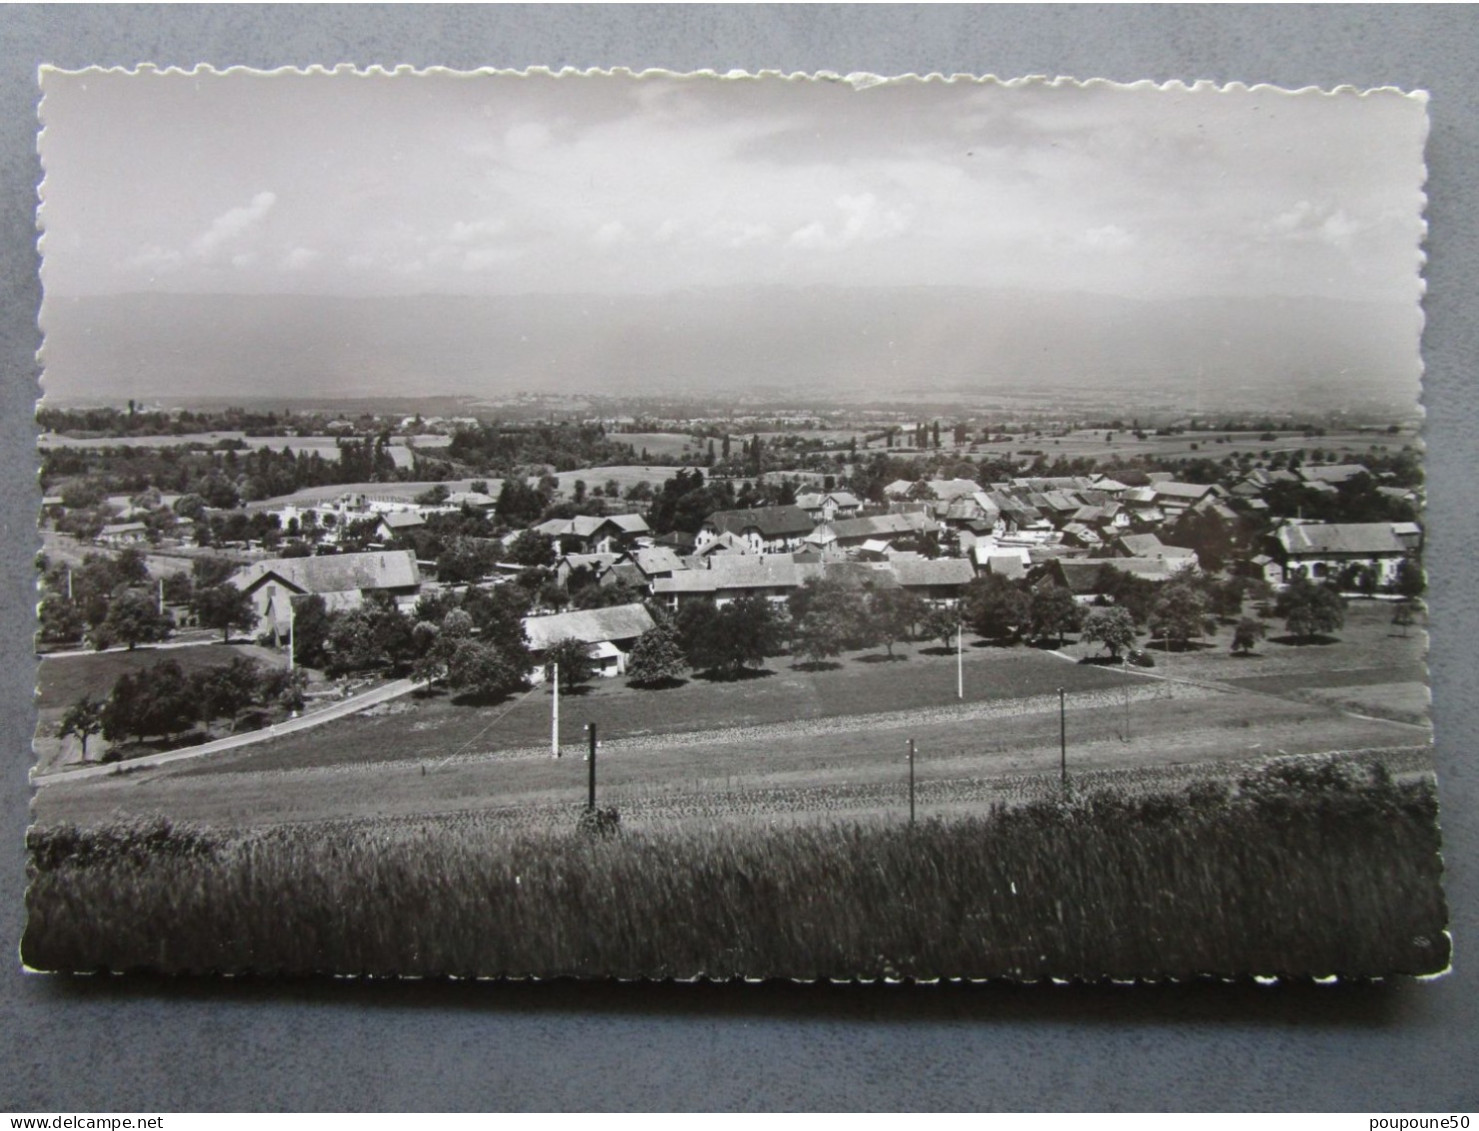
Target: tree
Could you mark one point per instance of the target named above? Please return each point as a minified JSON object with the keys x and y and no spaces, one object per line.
{"x":940,"y":623}
{"x":498,"y":617}
{"x":518,"y":503}
{"x":83,"y":718}
{"x":1310,"y":608}
{"x":61,"y":621}
{"x":1054,"y":612}
{"x":531,"y":549}
{"x":894,"y":613}
{"x":225,"y":690}
{"x":375,"y":635}
{"x":311,"y":625}
{"x":657,"y":656}
{"x":1112,"y":627}
{"x":827,"y":617}
{"x":574,"y":658}
{"x":157,"y":700}
{"x":1403,"y":616}
{"x":1180,"y":612}
{"x":190,"y":506}
{"x":821,"y":633}
{"x":604,"y":596}
{"x":284,"y":687}
{"x":483,"y":669}
{"x":433,"y":496}
{"x":728,"y":639}
{"x":1410,"y":581}
{"x":552,"y":595}
{"x":134,"y":618}
{"x":224,"y":607}
{"x":994,"y":607}
{"x":464,"y":559}
{"x":1247,"y":634}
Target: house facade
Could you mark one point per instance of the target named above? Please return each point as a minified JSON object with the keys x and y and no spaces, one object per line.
{"x":1320,"y":550}
{"x":342,"y":580}
{"x":608,"y":635}
{"x":764,"y":530}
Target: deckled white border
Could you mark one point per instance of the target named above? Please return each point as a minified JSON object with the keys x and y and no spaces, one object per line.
{"x":859,"y":81}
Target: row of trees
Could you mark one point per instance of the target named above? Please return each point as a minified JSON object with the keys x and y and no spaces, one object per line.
{"x":111,"y":600}
{"x":164,"y":701}
{"x":1176,"y":611}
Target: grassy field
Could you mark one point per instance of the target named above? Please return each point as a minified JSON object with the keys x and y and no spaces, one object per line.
{"x":626,"y":476}
{"x":62,"y":680}
{"x":791,"y":741}
{"x":1376,"y":668}
{"x":325,"y":446}
{"x":432,"y":728}
{"x":664,"y":445}
{"x":1303,"y":868}
{"x":1093,"y":445}
{"x":400,"y":492}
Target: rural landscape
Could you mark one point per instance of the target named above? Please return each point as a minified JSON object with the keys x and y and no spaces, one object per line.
{"x":557,"y":646}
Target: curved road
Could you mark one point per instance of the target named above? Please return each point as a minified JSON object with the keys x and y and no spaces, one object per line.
{"x":393,"y":690}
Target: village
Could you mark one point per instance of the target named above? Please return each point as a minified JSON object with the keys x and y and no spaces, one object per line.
{"x":655,"y":571}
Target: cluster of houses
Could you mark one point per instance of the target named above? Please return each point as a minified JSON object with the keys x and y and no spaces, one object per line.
{"x":393,"y":516}
{"x":1076,"y":524}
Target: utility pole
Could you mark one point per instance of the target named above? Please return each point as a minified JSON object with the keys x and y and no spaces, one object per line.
{"x":1063,"y":737}
{"x":69,"y":583}
{"x":554,"y":726}
{"x":1125,"y":671}
{"x":911,"y":783}
{"x":290,"y":633}
{"x":161,"y":596}
{"x":959,"y":660}
{"x":590,"y":802}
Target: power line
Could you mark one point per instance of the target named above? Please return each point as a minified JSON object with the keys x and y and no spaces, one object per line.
{"x":491,"y":724}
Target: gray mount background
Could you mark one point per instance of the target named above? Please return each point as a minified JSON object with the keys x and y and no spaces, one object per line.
{"x":139,"y":1045}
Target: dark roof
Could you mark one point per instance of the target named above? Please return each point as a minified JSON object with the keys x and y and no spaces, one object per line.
{"x":877,"y":524}
{"x":1340,"y":538}
{"x":589,"y":626}
{"x":1081,"y":574}
{"x":771,"y":522}
{"x":914,"y":572}
{"x":1332,"y":472}
{"x":402,"y":520}
{"x":336,"y":573}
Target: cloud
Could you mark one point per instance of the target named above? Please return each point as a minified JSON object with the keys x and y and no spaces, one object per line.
{"x":611,"y":233}
{"x":301,"y":258}
{"x":863,"y":220}
{"x":744,"y":235}
{"x":232,"y":223}
{"x":474,"y":231}
{"x":1110,"y":237}
{"x":156,"y":259}
{"x":1306,"y":221}
{"x":526,"y":139}
{"x":482,"y":258}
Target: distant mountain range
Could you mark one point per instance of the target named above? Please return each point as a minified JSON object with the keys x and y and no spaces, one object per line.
{"x":838,"y":343}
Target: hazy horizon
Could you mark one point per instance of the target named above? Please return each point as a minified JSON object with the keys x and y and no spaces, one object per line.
{"x":613,"y":233}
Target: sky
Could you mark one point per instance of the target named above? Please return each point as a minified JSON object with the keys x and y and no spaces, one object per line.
{"x":498,"y":184}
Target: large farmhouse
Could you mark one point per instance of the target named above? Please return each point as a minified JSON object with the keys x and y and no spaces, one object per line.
{"x":608,"y":634}
{"x":766,"y":530}
{"x":596,"y":534}
{"x":1323,"y":549}
{"x":342,"y":580}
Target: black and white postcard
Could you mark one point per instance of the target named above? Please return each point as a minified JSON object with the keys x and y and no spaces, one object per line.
{"x":693,"y":526}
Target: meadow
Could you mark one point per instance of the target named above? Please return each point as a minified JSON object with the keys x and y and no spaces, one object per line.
{"x":1101,"y":445}
{"x":1302,"y":867}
